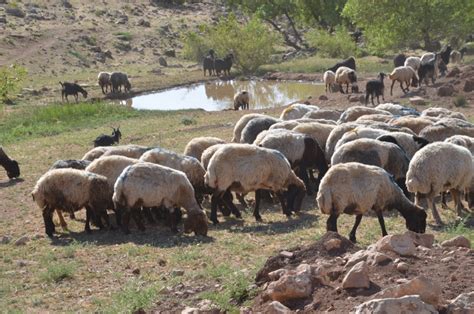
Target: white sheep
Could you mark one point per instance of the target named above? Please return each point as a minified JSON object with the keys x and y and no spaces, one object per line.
{"x":416,"y":124}
{"x":132,"y":151}
{"x":241,"y":100}
{"x":403,"y":74}
{"x":104,"y":81}
{"x":438,"y":167}
{"x":447,"y":127}
{"x":426,"y":57}
{"x":408,"y":142}
{"x":359,"y":132}
{"x":455,"y":56}
{"x":352,"y":113}
{"x":345,"y":75}
{"x":318,"y":131}
{"x":413,"y":62}
{"x":397,"y":109}
{"x":150,"y":185}
{"x":197,"y":145}
{"x":244,"y":168}
{"x":288,"y":125}
{"x":296,"y":111}
{"x":70,"y":190}
{"x":240,"y":125}
{"x":354,"y":188}
{"x":440,"y":112}
{"x":376,"y":117}
{"x":329,"y":78}
{"x":327,"y":114}
{"x":462,"y":140}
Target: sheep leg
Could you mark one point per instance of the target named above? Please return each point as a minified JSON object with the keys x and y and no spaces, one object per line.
{"x":216,"y":197}
{"x":72,"y":215}
{"x":457,"y":201}
{"x":227,"y":199}
{"x":225,"y":210}
{"x":391,"y":88}
{"x":118,"y":216}
{"x":62,"y":222}
{"x":444,"y":204}
{"x":401,"y":86}
{"x":256,"y":213}
{"x":137,"y":217}
{"x":382,"y":223}
{"x":125,"y":222}
{"x":48,"y":221}
{"x":303,"y":174}
{"x":241,"y":199}
{"x":148,"y":215}
{"x":284,"y":206}
{"x":87,"y":228}
{"x":435,"y":213}
{"x":331,"y":223}
{"x":173,"y":220}
{"x":352,"y":234}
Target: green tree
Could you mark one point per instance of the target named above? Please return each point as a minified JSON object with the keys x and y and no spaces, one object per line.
{"x":394,"y":24}
{"x":11,"y":78}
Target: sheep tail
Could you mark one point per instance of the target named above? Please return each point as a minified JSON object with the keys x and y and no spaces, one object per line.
{"x":210,"y":179}
{"x":324,"y":200}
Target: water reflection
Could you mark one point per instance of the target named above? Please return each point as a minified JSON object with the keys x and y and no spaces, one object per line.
{"x":219,"y":95}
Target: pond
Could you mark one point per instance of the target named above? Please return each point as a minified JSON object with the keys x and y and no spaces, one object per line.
{"x":218,"y":95}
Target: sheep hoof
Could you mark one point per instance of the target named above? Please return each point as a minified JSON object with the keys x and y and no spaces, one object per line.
{"x":258,"y":219}
{"x":215,"y":221}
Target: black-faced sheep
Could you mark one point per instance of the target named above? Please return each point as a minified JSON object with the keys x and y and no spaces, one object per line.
{"x":10,"y":165}
{"x":104,"y":81}
{"x":438,"y":167}
{"x":355,"y":188}
{"x":254,"y":127}
{"x":349,"y":62}
{"x":71,"y":89}
{"x":240,"y":125}
{"x":224,"y":65}
{"x":241,"y":100}
{"x":377,"y":117}
{"x":70,"y":190}
{"x":198,"y":145}
{"x":296,"y":111}
{"x":108,"y":140}
{"x":408,"y":142}
{"x":375,"y":88}
{"x":399,"y":60}
{"x":150,"y":185}
{"x":244,"y":168}
{"x":119,"y":79}
{"x":359,"y":132}
{"x":403,"y":74}
{"x":462,"y":140}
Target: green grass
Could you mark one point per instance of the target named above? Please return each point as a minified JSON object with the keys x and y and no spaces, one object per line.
{"x":58,"y":272}
{"x":78,"y":55}
{"x":125,"y":36}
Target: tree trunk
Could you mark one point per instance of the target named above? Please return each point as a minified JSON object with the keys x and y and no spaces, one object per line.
{"x":286,"y":37}
{"x":295,"y":31}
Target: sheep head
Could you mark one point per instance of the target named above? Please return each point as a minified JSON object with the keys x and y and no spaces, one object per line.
{"x":11,"y":166}
{"x":197,"y":222}
{"x":416,"y":221}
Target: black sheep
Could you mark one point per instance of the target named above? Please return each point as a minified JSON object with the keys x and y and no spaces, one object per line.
{"x":224,"y":65}
{"x":208,"y":63}
{"x":375,"y":87}
{"x":445,"y":53}
{"x":10,"y":165}
{"x":426,"y":71}
{"x":349,"y":62}
{"x":108,"y":140}
{"x":71,"y":89}
{"x":399,"y":60}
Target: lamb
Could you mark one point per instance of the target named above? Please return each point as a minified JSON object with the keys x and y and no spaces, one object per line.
{"x":355,"y":188}
{"x":224,"y":65}
{"x":349,"y":62}
{"x":208,"y":63}
{"x":440,"y":112}
{"x":254,"y":127}
{"x":329,"y":78}
{"x":70,"y":190}
{"x":71,"y":89}
{"x":296,"y":111}
{"x":104,"y":81}
{"x":416,"y":124}
{"x":345,"y":75}
{"x":438,"y":167}
{"x":132,"y":151}
{"x":399,"y":60}
{"x":455,"y":56}
{"x":108,"y":140}
{"x":198,"y":145}
{"x":119,"y":79}
{"x":398,"y":110}
{"x":375,"y":88}
{"x":239,"y":126}
{"x":150,"y":185}
{"x":10,"y":165}
{"x":445,"y":128}
{"x":327,"y":114}
{"x":352,"y":113}
{"x":409,"y":143}
{"x":462,"y":140}
{"x":413,"y":62}
{"x":241,"y":100}
{"x":244,"y":168}
{"x":403,"y":74}
{"x":318,"y":131}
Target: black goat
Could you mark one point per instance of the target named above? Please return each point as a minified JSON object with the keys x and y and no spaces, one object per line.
{"x":445,"y":53}
{"x":349,"y":62}
{"x":399,"y":60}
{"x":71,"y":89}
{"x":224,"y":65}
{"x":108,"y":140}
{"x":208,"y":63}
{"x":375,"y":87}
{"x":425,"y":71}
{"x":10,"y":165}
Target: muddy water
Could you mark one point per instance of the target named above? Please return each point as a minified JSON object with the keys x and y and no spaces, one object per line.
{"x":218,"y":95}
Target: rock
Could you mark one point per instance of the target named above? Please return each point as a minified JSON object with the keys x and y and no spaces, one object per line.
{"x":417,"y":101}
{"x":446,"y":90}
{"x":463,"y":304}
{"x":22,"y":240}
{"x":161,"y":262}
{"x":355,"y":258}
{"x":136,"y":271}
{"x":286,"y":254}
{"x":170,"y":53}
{"x":292,"y":285}
{"x":207,"y":306}
{"x":3,"y":19}
{"x":354,"y":98}
{"x":16,"y":12}
{"x":177,"y":272}
{"x":401,"y":244}
{"x":67,"y":4}
{"x":454,"y":71}
{"x":277,"y":274}
{"x":245,"y":310}
{"x":276,"y":307}
{"x":447,"y":259}
{"x":377,"y":258}
{"x":402,"y":267}
{"x":469,"y":85}
{"x":459,"y":241}
{"x":5,"y":239}
{"x":428,"y":290}
{"x":332,"y":244}
{"x":423,"y":239}
{"x":190,"y":310}
{"x":323,"y":97}
{"x":162,"y":61}
{"x":406,"y":304}
{"x":143,"y":22}
{"x":357,"y":277}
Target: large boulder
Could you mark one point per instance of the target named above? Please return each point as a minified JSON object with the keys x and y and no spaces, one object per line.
{"x":406,"y":304}
{"x":401,"y":244}
{"x":428,"y":290}
{"x":357,"y":277}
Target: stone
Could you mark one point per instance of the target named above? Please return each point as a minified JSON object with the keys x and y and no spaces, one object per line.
{"x":402,"y":267}
{"x":401,"y":244}
{"x":417,"y":101}
{"x":354,"y":98}
{"x":323,"y":97}
{"x":276,"y":307}
{"x":5,"y":239}
{"x":445,"y":90}
{"x":162,"y":61}
{"x":468,"y":85}
{"x":22,"y":240}
{"x":459,"y":241}
{"x":67,"y":4}
{"x":245,"y":310}
{"x":462,"y":304}
{"x":332,"y":244}
{"x":286,"y":254}
{"x":170,"y":53}
{"x":190,"y":310}
{"x":428,"y":290}
{"x":292,"y":285}
{"x":423,"y":239}
{"x":454,"y":72}
{"x":277,"y":274}
{"x":143,"y":22}
{"x":357,"y":257}
{"x":357,"y":277}
{"x":177,"y":272}
{"x":406,"y":304}
{"x":16,"y":12}
{"x":377,"y":258}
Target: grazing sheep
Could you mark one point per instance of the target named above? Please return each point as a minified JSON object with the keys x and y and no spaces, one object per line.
{"x":409,"y":143}
{"x":104,"y":81}
{"x":327,"y":114}
{"x":398,"y":110}
{"x":318,"y":131}
{"x":108,"y":140}
{"x":10,"y":165}
{"x":345,"y":75}
{"x":438,"y":167}
{"x":462,"y":140}
{"x":71,"y":89}
{"x":240,"y":125}
{"x":416,"y":124}
{"x":359,"y":132}
{"x":354,"y":188}
{"x":288,"y":125}
{"x":224,"y":65}
{"x":241,"y":100}
{"x":70,"y":190}
{"x":399,"y":60}
{"x":198,"y":145}
{"x":244,"y":168}
{"x":349,"y":62}
{"x":296,"y":111}
{"x":375,"y":88}
{"x":329,"y":78}
{"x":403,"y":74}
{"x":150,"y":185}
{"x":377,"y":117}
{"x":413,"y":62}
{"x":455,"y":56}
{"x":132,"y":151}
{"x":208,"y":63}
{"x":445,"y":128}
{"x":119,"y":79}
{"x":254,"y":127}
{"x":352,"y":113}
{"x":440,"y":112}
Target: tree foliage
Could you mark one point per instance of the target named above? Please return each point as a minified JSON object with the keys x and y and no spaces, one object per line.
{"x":337,"y":44}
{"x":11,"y":78}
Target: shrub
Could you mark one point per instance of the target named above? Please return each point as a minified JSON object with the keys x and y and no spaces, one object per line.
{"x":58,"y":272}
{"x":460,"y":101}
{"x":11,"y":78}
{"x":339,"y":44}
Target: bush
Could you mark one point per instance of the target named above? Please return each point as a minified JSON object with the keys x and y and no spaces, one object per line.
{"x":252,"y":43}
{"x":11,"y":78}
{"x":460,"y":101}
{"x":336,"y":45}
